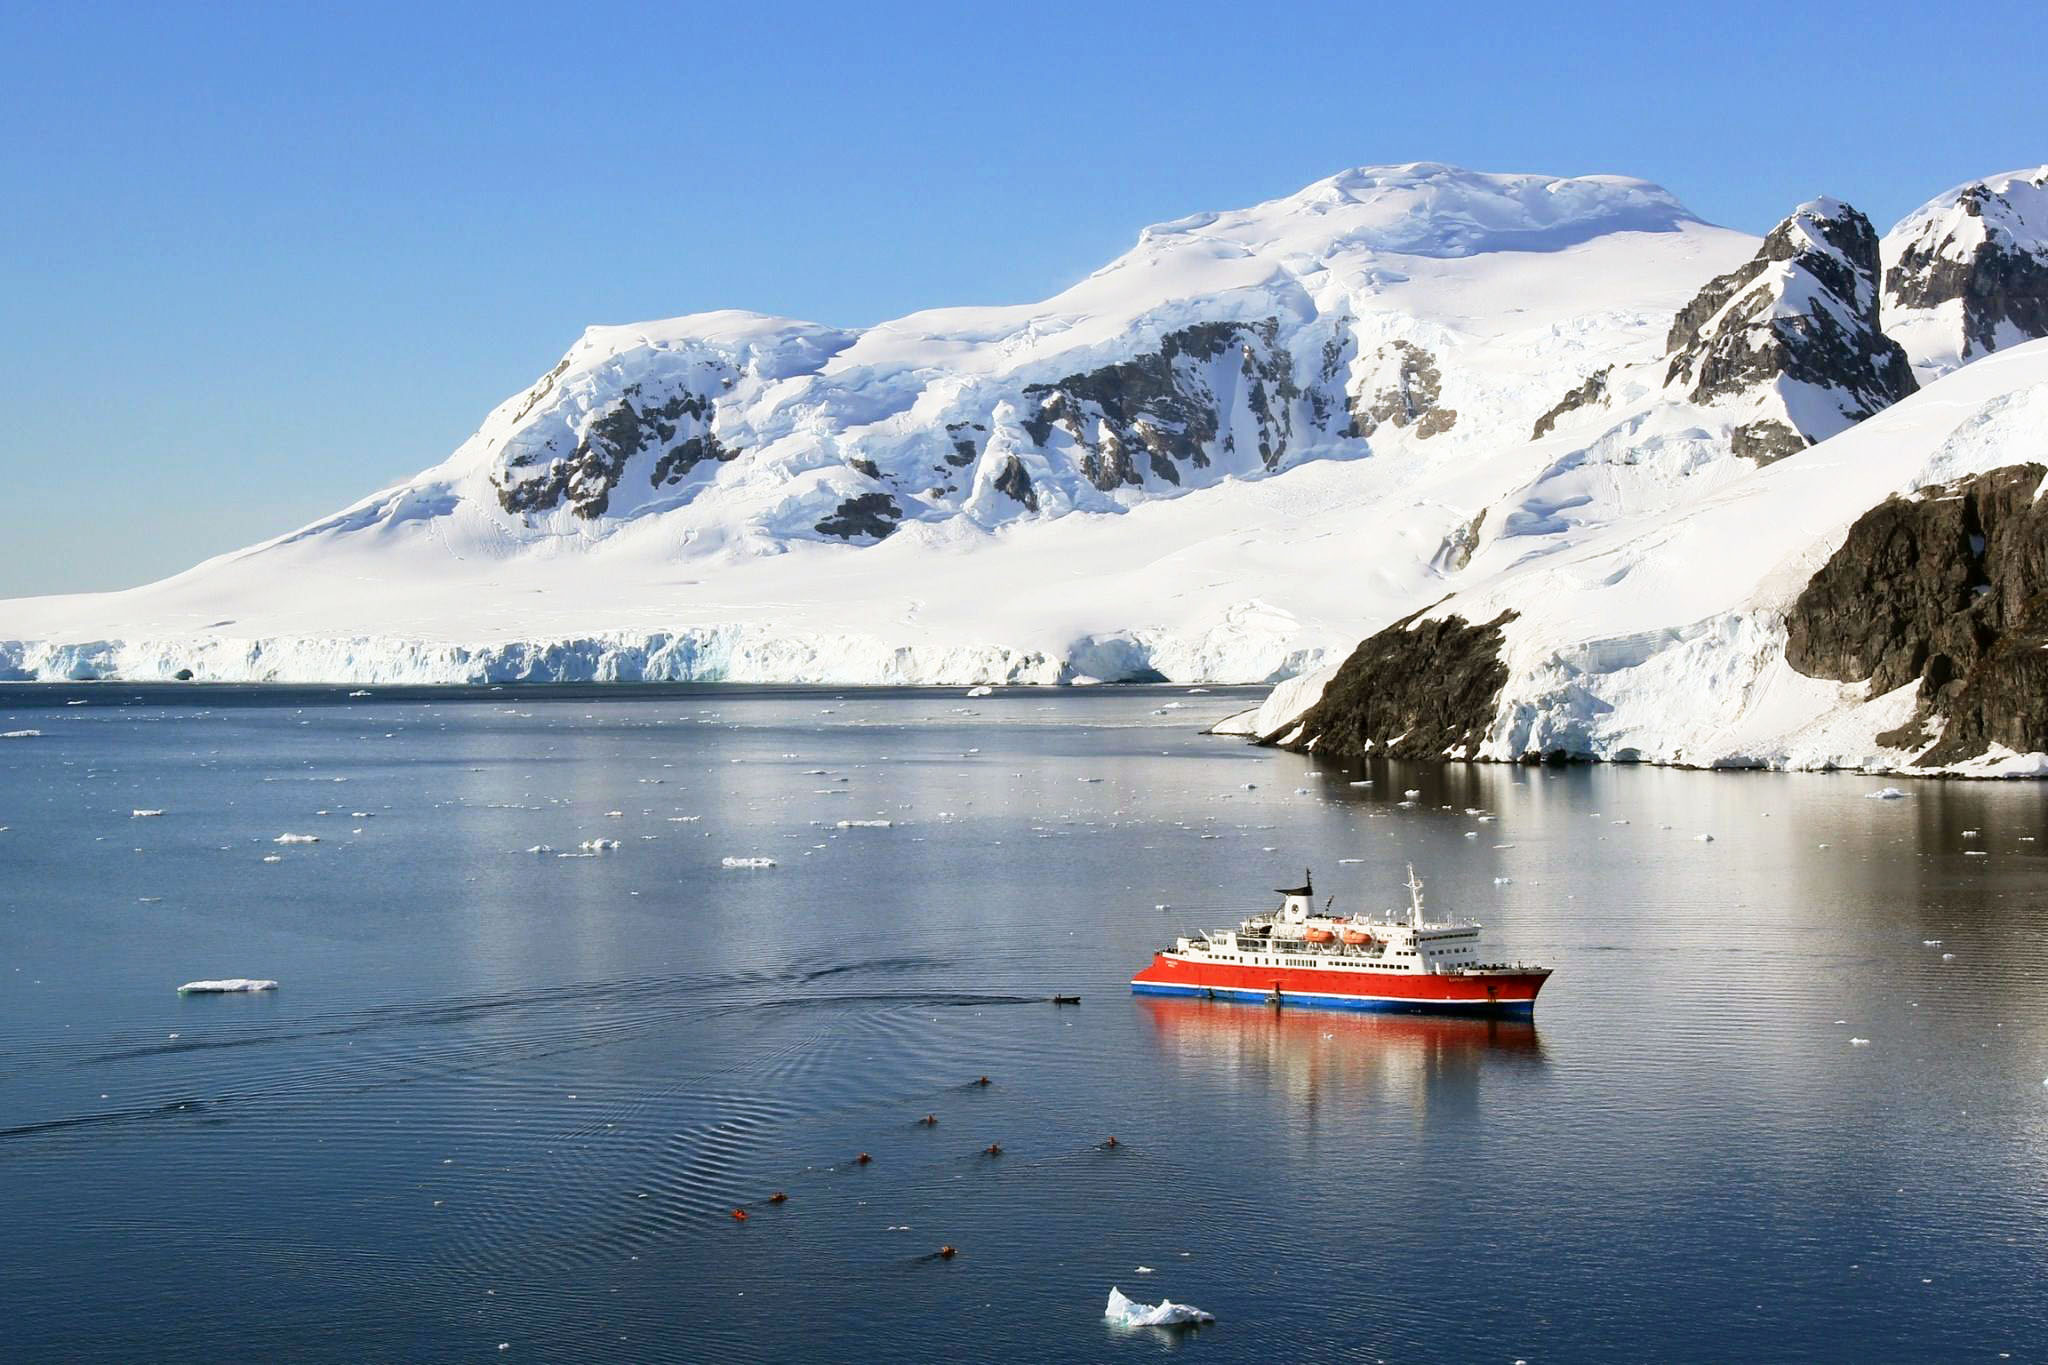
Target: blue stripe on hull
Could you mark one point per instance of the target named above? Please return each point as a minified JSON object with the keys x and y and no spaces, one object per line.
{"x":1513,"y":1009}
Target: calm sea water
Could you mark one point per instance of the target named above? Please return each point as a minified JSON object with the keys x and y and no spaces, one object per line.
{"x":504,"y":1103}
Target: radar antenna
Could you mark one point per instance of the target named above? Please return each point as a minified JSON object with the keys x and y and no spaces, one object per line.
{"x":1414,"y":898}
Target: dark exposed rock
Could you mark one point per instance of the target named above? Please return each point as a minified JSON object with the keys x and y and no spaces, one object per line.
{"x":868,"y":514}
{"x":586,"y":478}
{"x":1157,"y":412}
{"x":1414,"y":690}
{"x":182,"y":675}
{"x":1833,"y":342}
{"x":1950,"y":588}
{"x":1411,"y":398}
{"x":686,"y":455}
{"x":965,"y":449}
{"x":1593,"y":390}
{"x":1765,"y":440}
{"x":2001,"y":280}
{"x":867,"y":467}
{"x":1015,"y":480}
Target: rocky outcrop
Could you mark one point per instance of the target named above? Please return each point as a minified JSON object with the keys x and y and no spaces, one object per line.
{"x":585,"y":479}
{"x":1426,"y":689}
{"x":1593,"y":390}
{"x":1404,"y":389}
{"x":1948,"y":588}
{"x":1802,"y":312}
{"x":1015,"y":481}
{"x":1157,"y":412}
{"x":874,"y":515}
{"x":1982,"y":248}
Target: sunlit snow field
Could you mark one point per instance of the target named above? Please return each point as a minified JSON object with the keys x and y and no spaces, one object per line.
{"x":504,"y":1102}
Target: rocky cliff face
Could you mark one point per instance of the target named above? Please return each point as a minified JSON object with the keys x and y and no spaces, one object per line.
{"x":1167,"y":411}
{"x":1948,"y":588}
{"x":1414,"y":690}
{"x":1967,"y":273}
{"x":1793,"y":334}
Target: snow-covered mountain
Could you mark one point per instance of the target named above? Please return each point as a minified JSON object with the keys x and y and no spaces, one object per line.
{"x":1571,"y":460}
{"x":1163,"y":469}
{"x":1967,"y":272}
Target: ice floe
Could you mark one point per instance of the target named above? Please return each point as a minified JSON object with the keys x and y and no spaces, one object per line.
{"x":746,"y":862}
{"x":230,"y":985}
{"x":296,"y":839}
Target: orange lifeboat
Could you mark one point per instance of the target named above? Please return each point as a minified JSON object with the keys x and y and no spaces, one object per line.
{"x":1318,"y":934}
{"x":1357,"y":937}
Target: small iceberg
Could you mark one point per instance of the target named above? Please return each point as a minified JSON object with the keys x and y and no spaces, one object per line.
{"x":1885,"y":794}
{"x":981,"y":691}
{"x":296,"y":839}
{"x":1122,"y":1312}
{"x":866,"y":824}
{"x":21,"y":734}
{"x":144,"y":814}
{"x":359,"y":692}
{"x":1703,"y":838}
{"x":598,"y":845}
{"x":232,"y":985}
{"x":746,"y":862}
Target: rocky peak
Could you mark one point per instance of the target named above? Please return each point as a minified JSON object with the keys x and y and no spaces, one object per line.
{"x":1793,"y":334}
{"x":1967,"y":272}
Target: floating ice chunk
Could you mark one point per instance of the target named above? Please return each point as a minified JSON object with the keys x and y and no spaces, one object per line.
{"x":684,"y":819}
{"x":1859,"y":1042}
{"x":1885,"y":794}
{"x":866,"y":824}
{"x":598,"y":845}
{"x":272,"y":858}
{"x":1166,"y":1313}
{"x":1351,"y":860}
{"x":1975,"y":853}
{"x":1503,"y":881}
{"x":1471,"y":834}
{"x":980,"y":691}
{"x":1703,"y":838}
{"x":1930,"y":943}
{"x":144,"y":814}
{"x":746,"y":862}
{"x":359,"y":693}
{"x":541,"y":849}
{"x":231,"y":985}
{"x":1413,"y":793}
{"x":1366,"y":783}
{"x":296,"y":839}
{"x":1973,"y":834}
{"x":1948,"y":957}
{"x":21,"y":734}
{"x":615,"y":815}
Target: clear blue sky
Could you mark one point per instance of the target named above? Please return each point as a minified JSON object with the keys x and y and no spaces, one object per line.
{"x":258,"y":261}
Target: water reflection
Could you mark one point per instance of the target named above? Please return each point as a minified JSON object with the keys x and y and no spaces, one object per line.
{"x":1329,"y":1056}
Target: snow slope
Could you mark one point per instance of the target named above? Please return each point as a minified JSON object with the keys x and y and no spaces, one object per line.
{"x":1662,"y":638}
{"x":1213,"y":459}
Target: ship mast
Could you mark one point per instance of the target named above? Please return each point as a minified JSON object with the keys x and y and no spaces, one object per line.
{"x":1414,"y":898}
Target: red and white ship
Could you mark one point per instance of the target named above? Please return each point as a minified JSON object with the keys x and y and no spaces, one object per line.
{"x":1300,"y":956}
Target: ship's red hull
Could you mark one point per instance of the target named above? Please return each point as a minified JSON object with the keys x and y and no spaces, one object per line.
{"x":1340,"y":988}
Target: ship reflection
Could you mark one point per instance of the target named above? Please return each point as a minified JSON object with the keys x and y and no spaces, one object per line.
{"x":1331,"y":1056}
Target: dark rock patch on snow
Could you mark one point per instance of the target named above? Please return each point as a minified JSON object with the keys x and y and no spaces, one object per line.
{"x":1160,"y":411}
{"x":1411,"y":395}
{"x":869,"y":514}
{"x":1594,"y":390}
